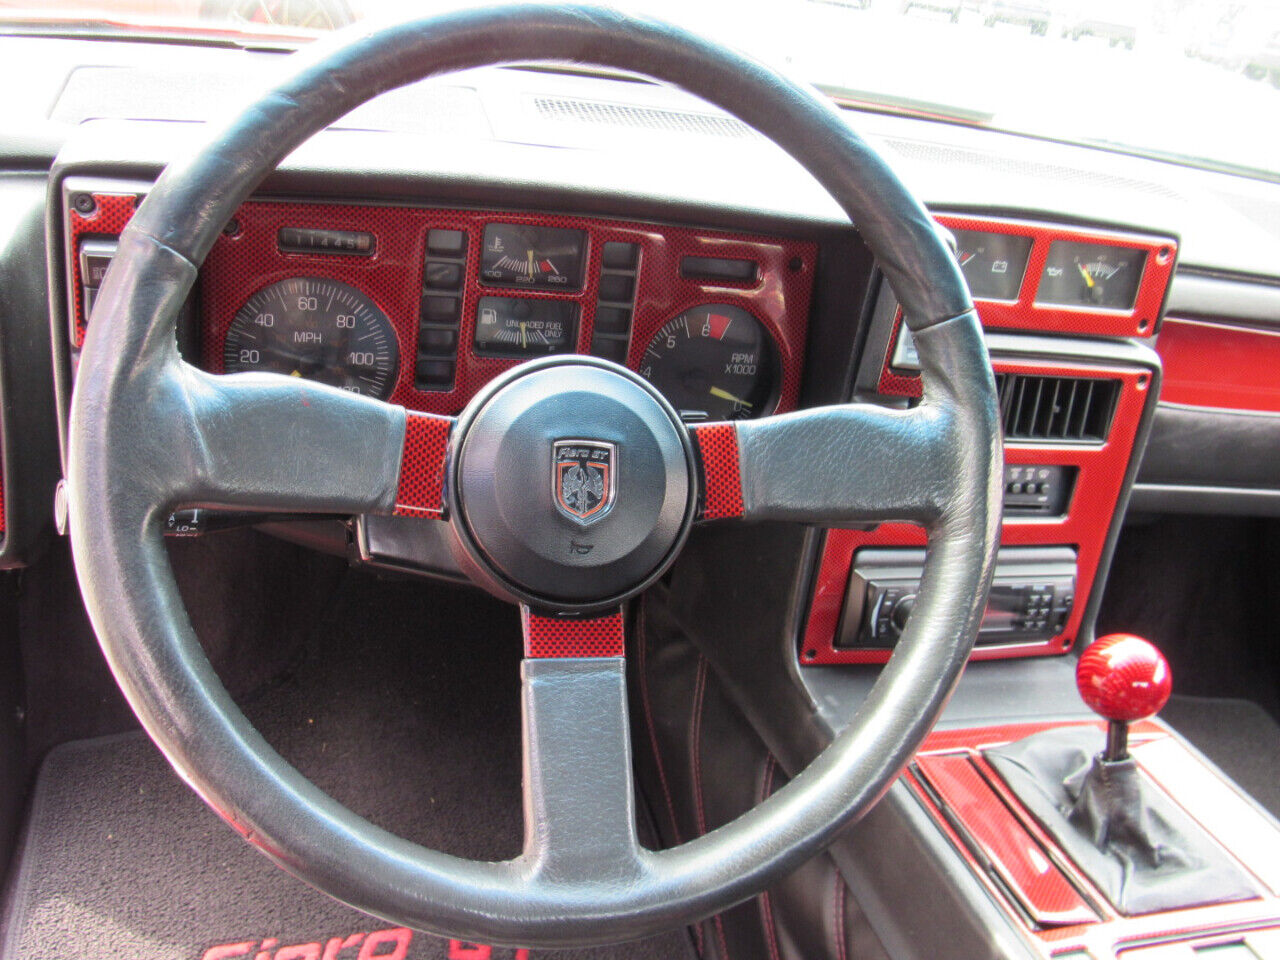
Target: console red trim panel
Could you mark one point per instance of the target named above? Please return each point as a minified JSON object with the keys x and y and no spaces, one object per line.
{"x":1218,"y":806}
{"x":1100,"y":472}
{"x":1043,"y":889}
{"x":1219,"y":365}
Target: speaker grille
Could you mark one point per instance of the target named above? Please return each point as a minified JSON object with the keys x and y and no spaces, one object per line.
{"x":601,"y":112}
{"x":1071,"y":409}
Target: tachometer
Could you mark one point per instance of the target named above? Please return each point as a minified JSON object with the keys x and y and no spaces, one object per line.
{"x":714,"y":362}
{"x":319,"y":329}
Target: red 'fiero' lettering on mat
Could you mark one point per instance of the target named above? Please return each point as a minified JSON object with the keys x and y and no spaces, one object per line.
{"x":392,"y":944}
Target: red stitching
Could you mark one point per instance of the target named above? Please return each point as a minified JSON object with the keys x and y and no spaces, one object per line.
{"x":766,"y":903}
{"x":695,"y":739}
{"x":839,"y":926}
{"x":648,"y":719}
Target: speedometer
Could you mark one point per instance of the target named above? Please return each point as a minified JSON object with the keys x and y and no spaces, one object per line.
{"x":319,"y":329}
{"x":714,"y":362}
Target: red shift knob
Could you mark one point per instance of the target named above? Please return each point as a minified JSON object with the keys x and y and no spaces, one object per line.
{"x":1123,"y":677}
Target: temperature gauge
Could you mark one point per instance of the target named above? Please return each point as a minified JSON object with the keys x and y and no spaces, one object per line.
{"x":1091,"y":275}
{"x":519,"y":255}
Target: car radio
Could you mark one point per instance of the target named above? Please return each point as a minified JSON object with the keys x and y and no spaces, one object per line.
{"x":1031,"y":596}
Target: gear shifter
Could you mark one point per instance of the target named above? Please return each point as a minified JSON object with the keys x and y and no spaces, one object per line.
{"x":1122,"y":678}
{"x":1122,"y":830}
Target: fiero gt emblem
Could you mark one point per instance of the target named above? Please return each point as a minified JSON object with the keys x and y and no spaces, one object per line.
{"x":583,"y":478}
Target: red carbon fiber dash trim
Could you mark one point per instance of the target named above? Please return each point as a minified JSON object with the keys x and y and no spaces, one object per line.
{"x":421,"y":489}
{"x":108,"y":219}
{"x":717,"y":445}
{"x":1221,"y":366}
{"x":241,"y":264}
{"x":1100,"y":470}
{"x":1026,"y":314}
{"x":552,"y":637}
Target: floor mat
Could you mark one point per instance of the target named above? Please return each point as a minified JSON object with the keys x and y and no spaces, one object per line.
{"x":1237,"y":735}
{"x":421,"y":736}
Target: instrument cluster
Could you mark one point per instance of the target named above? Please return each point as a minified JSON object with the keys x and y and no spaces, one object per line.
{"x":422,"y":306}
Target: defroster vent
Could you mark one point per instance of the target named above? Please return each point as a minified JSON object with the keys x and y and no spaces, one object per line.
{"x":1071,"y":409}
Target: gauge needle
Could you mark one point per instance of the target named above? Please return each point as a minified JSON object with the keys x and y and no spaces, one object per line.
{"x":726,"y":395}
{"x":524,"y":337}
{"x":1088,"y":277}
{"x":530,"y":264}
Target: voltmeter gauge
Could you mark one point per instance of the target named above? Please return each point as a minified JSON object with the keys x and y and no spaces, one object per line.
{"x":714,"y":362}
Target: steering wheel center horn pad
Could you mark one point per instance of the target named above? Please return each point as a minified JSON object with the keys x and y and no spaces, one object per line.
{"x":572,"y":485}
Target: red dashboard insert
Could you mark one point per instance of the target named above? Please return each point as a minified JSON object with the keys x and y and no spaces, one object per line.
{"x":111,"y":213}
{"x":1028,"y":315}
{"x":1100,"y":475}
{"x":244,"y":262}
{"x":1218,"y":365}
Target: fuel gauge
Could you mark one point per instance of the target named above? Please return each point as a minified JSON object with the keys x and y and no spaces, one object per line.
{"x":1091,"y":275}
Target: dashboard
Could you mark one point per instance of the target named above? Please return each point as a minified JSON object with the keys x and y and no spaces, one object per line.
{"x":423,"y":306}
{"x":1125,"y":304}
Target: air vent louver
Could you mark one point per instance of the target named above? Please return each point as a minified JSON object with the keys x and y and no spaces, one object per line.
{"x":640,"y":118}
{"x":1071,"y":409}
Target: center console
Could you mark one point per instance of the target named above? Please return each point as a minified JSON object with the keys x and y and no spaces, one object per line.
{"x":1105,"y":840}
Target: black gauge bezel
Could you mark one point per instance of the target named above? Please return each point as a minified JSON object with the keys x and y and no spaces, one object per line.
{"x":773,"y":398}
{"x":379,"y":316}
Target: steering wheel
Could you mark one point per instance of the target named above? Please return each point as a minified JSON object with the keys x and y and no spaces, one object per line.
{"x":557,"y":448}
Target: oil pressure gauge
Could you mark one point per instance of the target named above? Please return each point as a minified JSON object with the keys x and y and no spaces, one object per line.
{"x":1091,"y":275}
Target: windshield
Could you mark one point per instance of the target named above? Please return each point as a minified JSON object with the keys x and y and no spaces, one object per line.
{"x":1191,"y":80}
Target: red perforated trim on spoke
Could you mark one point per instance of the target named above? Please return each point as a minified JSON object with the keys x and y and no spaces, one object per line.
{"x":421,"y":490}
{"x":722,"y":483}
{"x":548,"y":637}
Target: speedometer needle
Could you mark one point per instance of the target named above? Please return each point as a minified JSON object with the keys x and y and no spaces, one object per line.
{"x":1088,"y":277}
{"x":726,"y":395}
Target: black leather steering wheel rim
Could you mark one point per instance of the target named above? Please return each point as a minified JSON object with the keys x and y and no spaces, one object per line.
{"x":148,"y":431}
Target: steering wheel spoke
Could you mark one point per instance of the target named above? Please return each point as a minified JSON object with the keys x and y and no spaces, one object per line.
{"x":269,"y":442}
{"x":578,"y":792}
{"x":846,"y":464}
